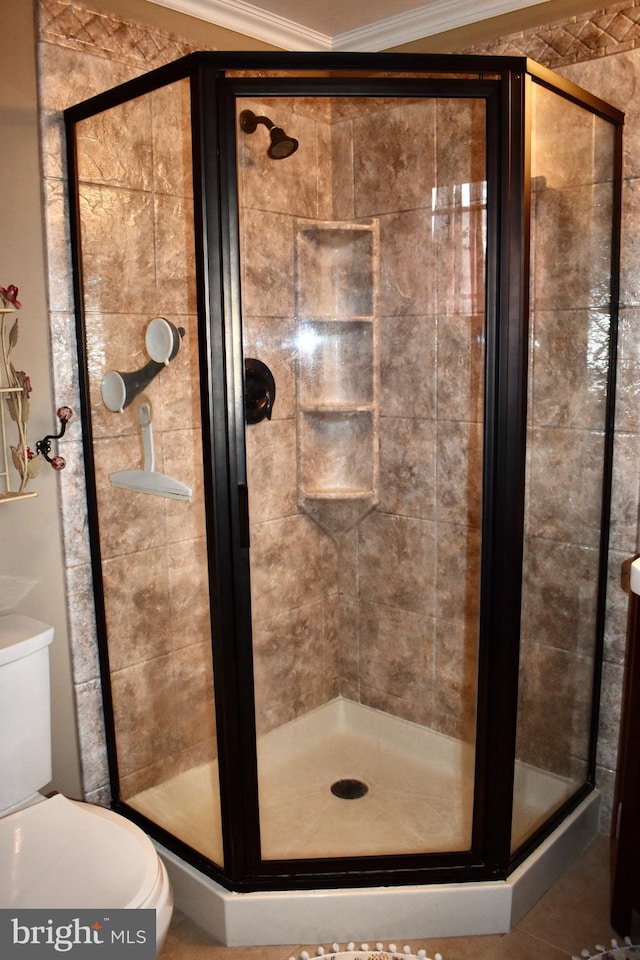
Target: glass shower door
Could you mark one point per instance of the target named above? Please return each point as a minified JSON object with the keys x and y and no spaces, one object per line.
{"x":135,"y":211}
{"x":572,"y":170}
{"x":363,"y":312}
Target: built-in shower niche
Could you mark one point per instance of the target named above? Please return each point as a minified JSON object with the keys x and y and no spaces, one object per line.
{"x":337,"y":375}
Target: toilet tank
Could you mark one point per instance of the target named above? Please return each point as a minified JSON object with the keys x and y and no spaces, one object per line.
{"x":25,"y":713}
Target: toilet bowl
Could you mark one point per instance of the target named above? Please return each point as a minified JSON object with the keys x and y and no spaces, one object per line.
{"x":56,"y":852}
{"x":60,"y":853}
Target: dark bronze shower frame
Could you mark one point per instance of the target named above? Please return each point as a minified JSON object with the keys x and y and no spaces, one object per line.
{"x":504,"y":83}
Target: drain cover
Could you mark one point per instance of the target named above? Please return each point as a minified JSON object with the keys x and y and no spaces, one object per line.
{"x":349,"y":789}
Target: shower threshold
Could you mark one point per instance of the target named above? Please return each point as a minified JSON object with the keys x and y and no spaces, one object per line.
{"x":419,"y":798}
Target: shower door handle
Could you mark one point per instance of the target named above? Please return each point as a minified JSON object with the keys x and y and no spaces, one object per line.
{"x":243,"y":516}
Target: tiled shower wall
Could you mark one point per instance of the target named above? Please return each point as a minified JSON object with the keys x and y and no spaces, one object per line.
{"x":136,"y":213}
{"x":83,"y":52}
{"x":385,"y":614}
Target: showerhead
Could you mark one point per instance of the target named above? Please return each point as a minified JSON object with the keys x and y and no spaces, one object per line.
{"x":281,"y":146}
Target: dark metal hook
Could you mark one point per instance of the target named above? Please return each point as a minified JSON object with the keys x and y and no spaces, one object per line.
{"x":43,"y":446}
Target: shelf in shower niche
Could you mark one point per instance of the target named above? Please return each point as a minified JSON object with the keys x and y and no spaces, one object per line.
{"x":338,"y":493}
{"x":336,"y":407}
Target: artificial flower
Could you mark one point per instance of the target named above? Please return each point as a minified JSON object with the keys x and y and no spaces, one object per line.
{"x":10,"y":295}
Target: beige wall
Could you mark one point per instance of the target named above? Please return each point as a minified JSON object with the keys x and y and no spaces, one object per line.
{"x":31,"y":566}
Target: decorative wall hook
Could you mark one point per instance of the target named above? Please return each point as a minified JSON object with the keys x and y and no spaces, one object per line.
{"x":43,"y":446}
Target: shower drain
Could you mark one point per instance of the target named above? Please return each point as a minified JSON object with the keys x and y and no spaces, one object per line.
{"x":349,"y":789}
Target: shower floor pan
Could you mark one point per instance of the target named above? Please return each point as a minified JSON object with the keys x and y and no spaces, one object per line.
{"x":419,"y":799}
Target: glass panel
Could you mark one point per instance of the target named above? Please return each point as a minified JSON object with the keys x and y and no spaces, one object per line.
{"x":363,"y":285}
{"x":571,"y":158}
{"x":136,"y":210}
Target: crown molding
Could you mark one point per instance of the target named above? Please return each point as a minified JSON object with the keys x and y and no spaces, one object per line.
{"x":427,"y":20}
{"x":247,"y":19}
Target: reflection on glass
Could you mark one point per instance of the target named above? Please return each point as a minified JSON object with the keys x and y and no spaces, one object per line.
{"x":136,"y":210}
{"x":363,"y":284}
{"x":572,"y":154}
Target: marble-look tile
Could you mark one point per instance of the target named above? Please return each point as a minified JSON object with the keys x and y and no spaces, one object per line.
{"x":570,"y":368}
{"x":172,"y":149}
{"x":115,"y":147}
{"x":341,"y":643}
{"x":145,"y":733}
{"x":627,"y":365}
{"x":292,"y":562}
{"x":617,"y":85}
{"x":91,"y":737}
{"x":68,"y":77}
{"x":397,"y":654}
{"x":394,"y":157}
{"x":566,"y":141}
{"x":137,"y":607}
{"x":408,"y":264}
{"x":566,"y":485}
{"x":458,"y":573}
{"x":192,"y":708}
{"x":73,"y":505}
{"x":66,"y":377}
{"x":460,"y":141}
{"x":342,"y":181}
{"x":174,"y":260}
{"x":397,"y":562}
{"x":82,"y":625}
{"x":57,"y":229}
{"x":267,"y":268}
{"x":629,"y":279}
{"x":180,"y":458}
{"x":559,"y":603}
{"x":610,"y":712}
{"x":460,"y":367}
{"x":118,"y":275}
{"x":554,"y":707}
{"x":408,"y":367}
{"x":188,"y":592}
{"x":271,"y":470}
{"x":458,"y":226}
{"x":459,"y":472}
{"x":571,"y":243}
{"x":617,"y":608}
{"x":456,"y":672}
{"x":288,"y":656}
{"x":408,"y":467}
{"x":624,"y":493}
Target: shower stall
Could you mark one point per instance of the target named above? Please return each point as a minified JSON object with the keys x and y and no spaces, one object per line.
{"x":359,"y":379}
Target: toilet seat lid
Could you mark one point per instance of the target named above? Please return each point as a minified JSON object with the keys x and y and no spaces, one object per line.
{"x":61,"y":853}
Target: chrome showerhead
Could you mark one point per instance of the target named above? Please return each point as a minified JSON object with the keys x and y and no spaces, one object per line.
{"x":281,"y":146}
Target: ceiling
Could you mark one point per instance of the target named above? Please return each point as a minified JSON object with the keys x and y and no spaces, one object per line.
{"x":353,"y":25}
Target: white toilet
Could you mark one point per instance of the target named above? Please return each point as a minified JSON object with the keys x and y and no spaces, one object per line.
{"x":44,"y":841}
